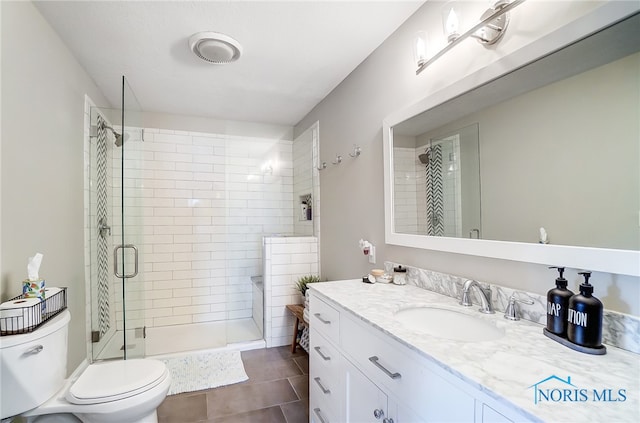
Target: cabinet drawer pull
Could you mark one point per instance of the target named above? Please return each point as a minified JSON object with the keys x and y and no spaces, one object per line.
{"x":326,"y":322}
{"x":34,"y":350}
{"x":324,"y":390}
{"x":374,"y":359}
{"x":317,"y":411}
{"x":324,"y":357}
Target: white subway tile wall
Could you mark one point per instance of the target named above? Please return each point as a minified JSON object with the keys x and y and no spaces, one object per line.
{"x":285,"y":260}
{"x":407,"y":180}
{"x":203,"y":203}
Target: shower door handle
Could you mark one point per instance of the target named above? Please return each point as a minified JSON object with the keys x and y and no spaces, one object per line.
{"x":135,"y":261}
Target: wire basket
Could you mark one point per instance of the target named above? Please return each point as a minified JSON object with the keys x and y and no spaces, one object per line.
{"x":19,"y":320}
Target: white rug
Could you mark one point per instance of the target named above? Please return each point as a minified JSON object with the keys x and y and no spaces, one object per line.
{"x":195,"y":372}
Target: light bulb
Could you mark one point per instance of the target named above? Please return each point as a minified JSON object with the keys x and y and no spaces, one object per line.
{"x":451,"y":21}
{"x":420,"y":48}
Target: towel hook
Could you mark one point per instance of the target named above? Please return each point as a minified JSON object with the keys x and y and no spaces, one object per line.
{"x":356,"y":151}
{"x":337,"y":160}
{"x":323,"y":166}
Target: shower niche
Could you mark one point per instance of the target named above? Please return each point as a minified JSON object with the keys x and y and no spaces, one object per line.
{"x":306,"y":208}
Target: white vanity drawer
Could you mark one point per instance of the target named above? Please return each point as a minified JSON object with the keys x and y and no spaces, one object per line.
{"x":325,"y":319}
{"x":323,"y":408}
{"x":320,"y":414}
{"x":326,"y":378}
{"x":323,"y":353}
{"x":391,"y":365}
{"x":327,"y":392}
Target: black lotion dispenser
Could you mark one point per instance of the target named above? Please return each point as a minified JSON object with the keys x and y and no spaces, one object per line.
{"x":558,"y":305}
{"x":584,"y":319}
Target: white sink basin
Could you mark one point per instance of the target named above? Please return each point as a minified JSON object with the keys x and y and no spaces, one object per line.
{"x":448,"y":324}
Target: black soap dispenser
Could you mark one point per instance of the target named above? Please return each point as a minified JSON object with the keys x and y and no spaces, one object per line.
{"x":584,"y":320}
{"x":558,"y":305}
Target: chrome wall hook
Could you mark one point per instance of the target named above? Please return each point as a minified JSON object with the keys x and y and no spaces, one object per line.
{"x":337,"y":160}
{"x":323,"y":166}
{"x":356,"y":151}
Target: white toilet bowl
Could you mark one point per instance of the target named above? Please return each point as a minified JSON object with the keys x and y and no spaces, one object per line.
{"x":33,"y":384}
{"x":124,"y":391}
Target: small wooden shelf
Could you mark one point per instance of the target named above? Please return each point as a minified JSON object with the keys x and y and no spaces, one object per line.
{"x":298,"y":312}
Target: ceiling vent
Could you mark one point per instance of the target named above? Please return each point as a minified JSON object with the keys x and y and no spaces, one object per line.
{"x":214,"y":47}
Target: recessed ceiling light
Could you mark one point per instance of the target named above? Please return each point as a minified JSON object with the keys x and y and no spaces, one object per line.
{"x":214,"y":47}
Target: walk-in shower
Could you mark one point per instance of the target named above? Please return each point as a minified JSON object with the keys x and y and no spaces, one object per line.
{"x":176,"y":222}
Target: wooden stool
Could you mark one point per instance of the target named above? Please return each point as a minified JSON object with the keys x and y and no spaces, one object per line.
{"x":298,"y":312}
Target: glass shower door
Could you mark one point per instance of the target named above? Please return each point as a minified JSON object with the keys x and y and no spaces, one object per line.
{"x":129,"y":254}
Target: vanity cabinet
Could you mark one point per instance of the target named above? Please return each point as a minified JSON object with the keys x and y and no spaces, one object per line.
{"x":368,"y":403}
{"x":358,"y":372}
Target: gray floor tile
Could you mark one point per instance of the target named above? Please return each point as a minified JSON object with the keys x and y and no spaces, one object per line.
{"x":183,"y":408}
{"x":271,"y":354}
{"x":303,"y":363}
{"x":241,"y":398}
{"x":277,"y":381}
{"x":296,"y":412}
{"x":273,"y":370}
{"x":300,"y":385}
{"x":265,"y":415}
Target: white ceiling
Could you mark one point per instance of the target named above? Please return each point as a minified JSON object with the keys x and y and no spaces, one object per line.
{"x":295,"y":52}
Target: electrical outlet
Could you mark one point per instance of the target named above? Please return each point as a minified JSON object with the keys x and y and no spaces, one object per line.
{"x":372,"y":255}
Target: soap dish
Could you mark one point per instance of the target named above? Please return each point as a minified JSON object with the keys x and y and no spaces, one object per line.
{"x":601,"y":350}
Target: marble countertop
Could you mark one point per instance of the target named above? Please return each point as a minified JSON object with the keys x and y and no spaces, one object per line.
{"x":511,"y":368}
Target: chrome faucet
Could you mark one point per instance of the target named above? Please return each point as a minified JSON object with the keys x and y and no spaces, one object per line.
{"x":484,"y":294}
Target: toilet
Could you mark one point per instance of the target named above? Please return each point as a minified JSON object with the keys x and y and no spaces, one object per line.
{"x":34,"y":385}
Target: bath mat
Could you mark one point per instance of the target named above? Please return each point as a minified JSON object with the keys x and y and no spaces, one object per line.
{"x":194,"y":372}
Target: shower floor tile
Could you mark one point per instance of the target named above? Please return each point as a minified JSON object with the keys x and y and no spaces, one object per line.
{"x":276,"y":392}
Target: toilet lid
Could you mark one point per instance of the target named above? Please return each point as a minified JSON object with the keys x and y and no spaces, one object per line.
{"x":115,"y":380}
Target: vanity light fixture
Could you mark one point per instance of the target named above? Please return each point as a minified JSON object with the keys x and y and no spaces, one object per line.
{"x":489,"y":30}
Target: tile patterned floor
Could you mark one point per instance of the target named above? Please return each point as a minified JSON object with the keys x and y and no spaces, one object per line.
{"x":277,"y":392}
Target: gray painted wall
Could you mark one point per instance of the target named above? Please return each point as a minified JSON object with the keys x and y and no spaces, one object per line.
{"x":352,"y":193}
{"x":43,"y":94}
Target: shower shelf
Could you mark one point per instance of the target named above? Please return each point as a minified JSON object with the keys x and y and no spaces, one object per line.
{"x":20,"y":320}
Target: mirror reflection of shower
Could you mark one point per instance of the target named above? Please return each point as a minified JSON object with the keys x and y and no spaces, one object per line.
{"x":424,"y":157}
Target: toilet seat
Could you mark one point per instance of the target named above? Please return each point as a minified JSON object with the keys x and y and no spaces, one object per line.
{"x":116,"y":380}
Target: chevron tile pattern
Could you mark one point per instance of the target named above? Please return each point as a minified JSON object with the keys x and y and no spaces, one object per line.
{"x":435,"y":192}
{"x":101,"y":215}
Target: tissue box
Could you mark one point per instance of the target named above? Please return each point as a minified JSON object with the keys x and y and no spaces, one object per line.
{"x":33,"y":289}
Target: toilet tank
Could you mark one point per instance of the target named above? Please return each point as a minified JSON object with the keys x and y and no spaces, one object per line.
{"x":34,"y":365}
